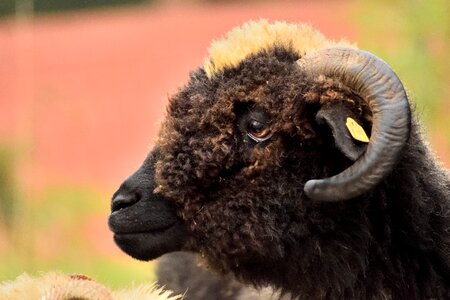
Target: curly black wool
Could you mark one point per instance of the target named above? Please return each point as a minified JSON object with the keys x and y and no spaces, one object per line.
{"x":240,"y":140}
{"x":245,"y":206}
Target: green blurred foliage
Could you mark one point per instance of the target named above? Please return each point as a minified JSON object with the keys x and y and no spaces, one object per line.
{"x":8,"y":192}
{"x":413,"y":36}
{"x":55,"y":229}
{"x":8,"y":7}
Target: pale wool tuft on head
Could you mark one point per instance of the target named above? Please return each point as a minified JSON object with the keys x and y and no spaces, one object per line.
{"x":256,"y":36}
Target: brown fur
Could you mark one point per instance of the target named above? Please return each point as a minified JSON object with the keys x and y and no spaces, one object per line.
{"x":241,"y":202}
{"x":245,"y":206}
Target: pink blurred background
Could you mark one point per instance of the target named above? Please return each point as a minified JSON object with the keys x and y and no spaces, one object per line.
{"x":89,"y":90}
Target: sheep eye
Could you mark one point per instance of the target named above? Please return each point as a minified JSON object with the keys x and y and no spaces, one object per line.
{"x":258,"y":131}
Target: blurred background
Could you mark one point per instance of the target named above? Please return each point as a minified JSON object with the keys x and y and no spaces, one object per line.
{"x":84,"y":83}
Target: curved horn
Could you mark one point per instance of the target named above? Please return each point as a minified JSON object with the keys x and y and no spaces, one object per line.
{"x":377,"y":84}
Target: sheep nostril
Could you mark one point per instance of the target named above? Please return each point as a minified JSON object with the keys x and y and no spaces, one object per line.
{"x":123,"y":200}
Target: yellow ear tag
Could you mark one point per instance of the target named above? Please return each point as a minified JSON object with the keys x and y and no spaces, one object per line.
{"x":356,"y":130}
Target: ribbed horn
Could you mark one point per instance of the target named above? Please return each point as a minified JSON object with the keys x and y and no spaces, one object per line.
{"x":373,"y":80}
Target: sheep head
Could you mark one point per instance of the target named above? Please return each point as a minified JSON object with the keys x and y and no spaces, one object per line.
{"x":230,"y":175}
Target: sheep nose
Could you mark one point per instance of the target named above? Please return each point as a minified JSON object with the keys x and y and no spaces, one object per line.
{"x":123,"y":200}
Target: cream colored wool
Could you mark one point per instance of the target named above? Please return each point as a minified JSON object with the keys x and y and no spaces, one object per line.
{"x":253,"y":37}
{"x":57,"y":286}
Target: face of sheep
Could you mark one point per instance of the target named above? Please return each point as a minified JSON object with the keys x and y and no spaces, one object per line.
{"x":221,"y":146}
{"x":227,"y":176}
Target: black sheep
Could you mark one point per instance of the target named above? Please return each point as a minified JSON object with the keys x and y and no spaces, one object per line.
{"x":230,"y":175}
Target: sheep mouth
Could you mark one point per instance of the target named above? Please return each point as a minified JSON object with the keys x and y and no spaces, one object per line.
{"x":147,"y":229}
{"x":124,"y":230}
{"x":151,"y":244}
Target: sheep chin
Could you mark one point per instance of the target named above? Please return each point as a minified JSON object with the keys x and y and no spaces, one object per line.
{"x":152,"y":244}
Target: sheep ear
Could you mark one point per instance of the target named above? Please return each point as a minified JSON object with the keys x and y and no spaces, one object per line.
{"x":339,"y":119}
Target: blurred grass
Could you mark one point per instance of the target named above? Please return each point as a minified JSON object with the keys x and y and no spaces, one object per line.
{"x":53,"y":230}
{"x":113,"y":273}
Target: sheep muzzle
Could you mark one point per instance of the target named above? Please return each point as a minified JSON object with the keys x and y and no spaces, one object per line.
{"x":144,"y":223}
